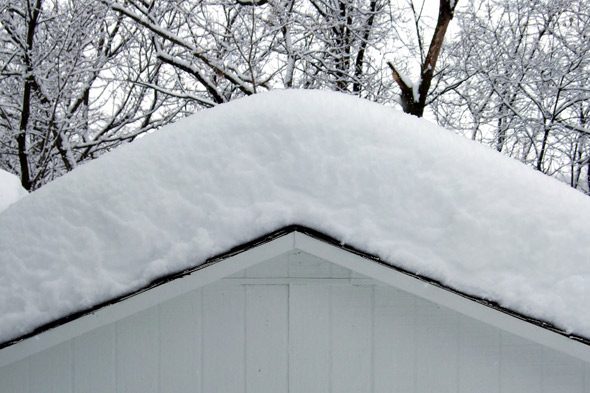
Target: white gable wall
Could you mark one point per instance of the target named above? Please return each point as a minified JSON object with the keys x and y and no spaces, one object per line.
{"x":298,"y":324}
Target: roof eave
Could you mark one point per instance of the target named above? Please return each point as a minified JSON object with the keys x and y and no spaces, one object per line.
{"x":276,"y":243}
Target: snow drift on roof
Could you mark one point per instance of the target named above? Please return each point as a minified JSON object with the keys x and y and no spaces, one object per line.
{"x":392,"y":185}
{"x":10,"y":189}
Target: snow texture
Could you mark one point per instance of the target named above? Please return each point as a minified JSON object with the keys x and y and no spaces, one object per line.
{"x":390,"y":184}
{"x":10,"y":189}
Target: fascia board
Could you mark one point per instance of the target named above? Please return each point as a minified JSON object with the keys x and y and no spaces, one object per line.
{"x":146,"y":299}
{"x":444,"y":297}
{"x":224,"y":267}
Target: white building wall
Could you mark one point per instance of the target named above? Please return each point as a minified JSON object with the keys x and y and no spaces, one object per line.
{"x":297,"y":324}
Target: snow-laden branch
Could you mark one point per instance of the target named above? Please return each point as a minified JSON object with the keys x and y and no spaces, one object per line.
{"x":231,"y":76}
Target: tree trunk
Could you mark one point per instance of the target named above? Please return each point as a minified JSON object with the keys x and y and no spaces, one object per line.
{"x":33,"y":16}
{"x":413,"y":99}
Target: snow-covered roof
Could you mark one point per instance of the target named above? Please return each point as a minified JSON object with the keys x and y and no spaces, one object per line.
{"x":394,"y":186}
{"x":10,"y":189}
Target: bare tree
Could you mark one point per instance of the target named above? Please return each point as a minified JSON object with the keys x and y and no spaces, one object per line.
{"x":63,"y":100}
{"x":526,"y":65}
{"x":219,"y":50}
{"x":344,"y":36}
{"x":226,"y":49}
{"x":413,"y":97}
{"x":79,"y":78}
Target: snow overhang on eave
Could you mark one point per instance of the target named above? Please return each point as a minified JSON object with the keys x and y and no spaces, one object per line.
{"x":274,"y":244}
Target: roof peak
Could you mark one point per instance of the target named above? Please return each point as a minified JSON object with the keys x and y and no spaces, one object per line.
{"x":393,"y":185}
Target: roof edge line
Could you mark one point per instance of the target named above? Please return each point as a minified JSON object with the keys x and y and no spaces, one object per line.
{"x":273,"y":235}
{"x":481,"y":301}
{"x":159,"y":281}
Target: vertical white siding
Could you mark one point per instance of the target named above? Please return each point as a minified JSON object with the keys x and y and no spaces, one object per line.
{"x":223,"y":339}
{"x":395,"y":358}
{"x":14,"y":378}
{"x":310,"y":338}
{"x":266,"y":338}
{"x":137,"y":364}
{"x":94,"y":361}
{"x":561,"y":373}
{"x":297,"y":324}
{"x":351,"y":339}
{"x":277,"y":267}
{"x":479,"y":357}
{"x":308,"y":266}
{"x":436,"y":349}
{"x":180,"y":344}
{"x":50,"y":371}
{"x":521,"y":365}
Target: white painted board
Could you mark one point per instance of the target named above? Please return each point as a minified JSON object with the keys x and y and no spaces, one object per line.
{"x":266,"y":338}
{"x":323,"y":330}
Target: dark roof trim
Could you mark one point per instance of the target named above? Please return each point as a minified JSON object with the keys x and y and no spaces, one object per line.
{"x":268,"y":238}
{"x":154,"y":283}
{"x":488,"y":303}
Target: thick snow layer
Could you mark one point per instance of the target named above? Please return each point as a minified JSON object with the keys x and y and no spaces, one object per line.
{"x":390,"y":184}
{"x":10,"y":189}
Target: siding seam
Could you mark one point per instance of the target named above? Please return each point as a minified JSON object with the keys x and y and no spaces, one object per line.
{"x":331,"y":310}
{"x":202,"y":326}
{"x":372,"y":338}
{"x":288,"y":337}
{"x":72,"y":362}
{"x":159,"y":350}
{"x":245,"y":336}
